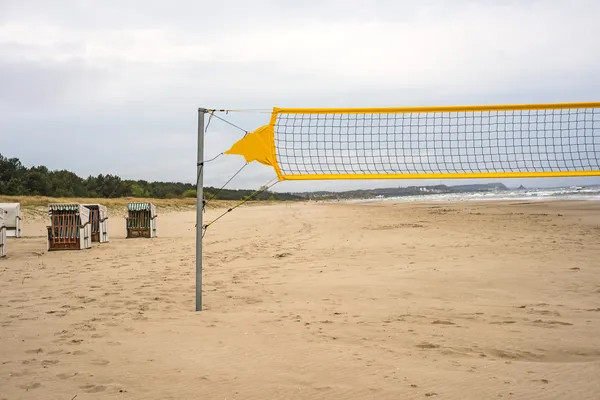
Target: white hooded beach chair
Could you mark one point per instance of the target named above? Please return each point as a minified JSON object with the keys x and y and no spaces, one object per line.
{"x":2,"y":233}
{"x":69,"y":227}
{"x":12,"y":219}
{"x":141,"y":220}
{"x":98,"y":222}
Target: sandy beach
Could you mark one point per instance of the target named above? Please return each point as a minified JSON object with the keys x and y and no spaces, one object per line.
{"x":471,"y":300}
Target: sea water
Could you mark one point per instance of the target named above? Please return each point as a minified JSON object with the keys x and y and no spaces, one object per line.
{"x":559,"y":193}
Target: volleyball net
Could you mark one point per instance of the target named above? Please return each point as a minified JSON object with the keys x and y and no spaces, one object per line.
{"x":490,"y":141}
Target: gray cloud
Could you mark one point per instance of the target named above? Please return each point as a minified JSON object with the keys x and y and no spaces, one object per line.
{"x":131,"y":74}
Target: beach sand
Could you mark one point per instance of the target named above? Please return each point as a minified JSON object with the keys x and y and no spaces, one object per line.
{"x":313,"y":301}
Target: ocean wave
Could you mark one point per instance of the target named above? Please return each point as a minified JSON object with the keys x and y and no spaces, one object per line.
{"x":529,"y":195}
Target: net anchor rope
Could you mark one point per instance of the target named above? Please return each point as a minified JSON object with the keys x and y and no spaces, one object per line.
{"x":262,"y":189}
{"x":212,"y":114}
{"x":226,"y":183}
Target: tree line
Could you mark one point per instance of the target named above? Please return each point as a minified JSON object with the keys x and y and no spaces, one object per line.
{"x":19,"y":180}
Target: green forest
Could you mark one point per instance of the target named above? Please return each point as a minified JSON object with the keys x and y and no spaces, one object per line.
{"x":19,"y":180}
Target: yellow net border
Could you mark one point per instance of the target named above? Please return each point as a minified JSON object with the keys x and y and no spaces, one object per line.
{"x":480,"y":141}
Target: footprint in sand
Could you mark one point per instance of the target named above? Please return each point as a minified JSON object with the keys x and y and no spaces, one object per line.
{"x":85,"y":300}
{"x":46,"y":363}
{"x":100,"y":362}
{"x":139,"y":317}
{"x":18,"y":301}
{"x":541,"y":380}
{"x":64,"y":334}
{"x":86,"y":327}
{"x":93,"y":388}
{"x":57,"y":313}
{"x":66,"y":376}
{"x":34,"y":351}
{"x":550,"y":324}
{"x":427,"y":345}
{"x":30,"y":386}
{"x":545,"y":312}
{"x":515,"y":354}
{"x":441,"y":322}
{"x":19,"y":374}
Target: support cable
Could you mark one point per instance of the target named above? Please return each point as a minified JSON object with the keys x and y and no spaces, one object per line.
{"x":245,"y":110}
{"x":230,"y":123}
{"x":226,"y":183}
{"x":201,"y":165}
{"x":212,"y":113}
{"x":263,"y":188}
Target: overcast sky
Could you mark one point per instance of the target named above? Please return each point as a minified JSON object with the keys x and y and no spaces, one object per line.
{"x":113,"y":86}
